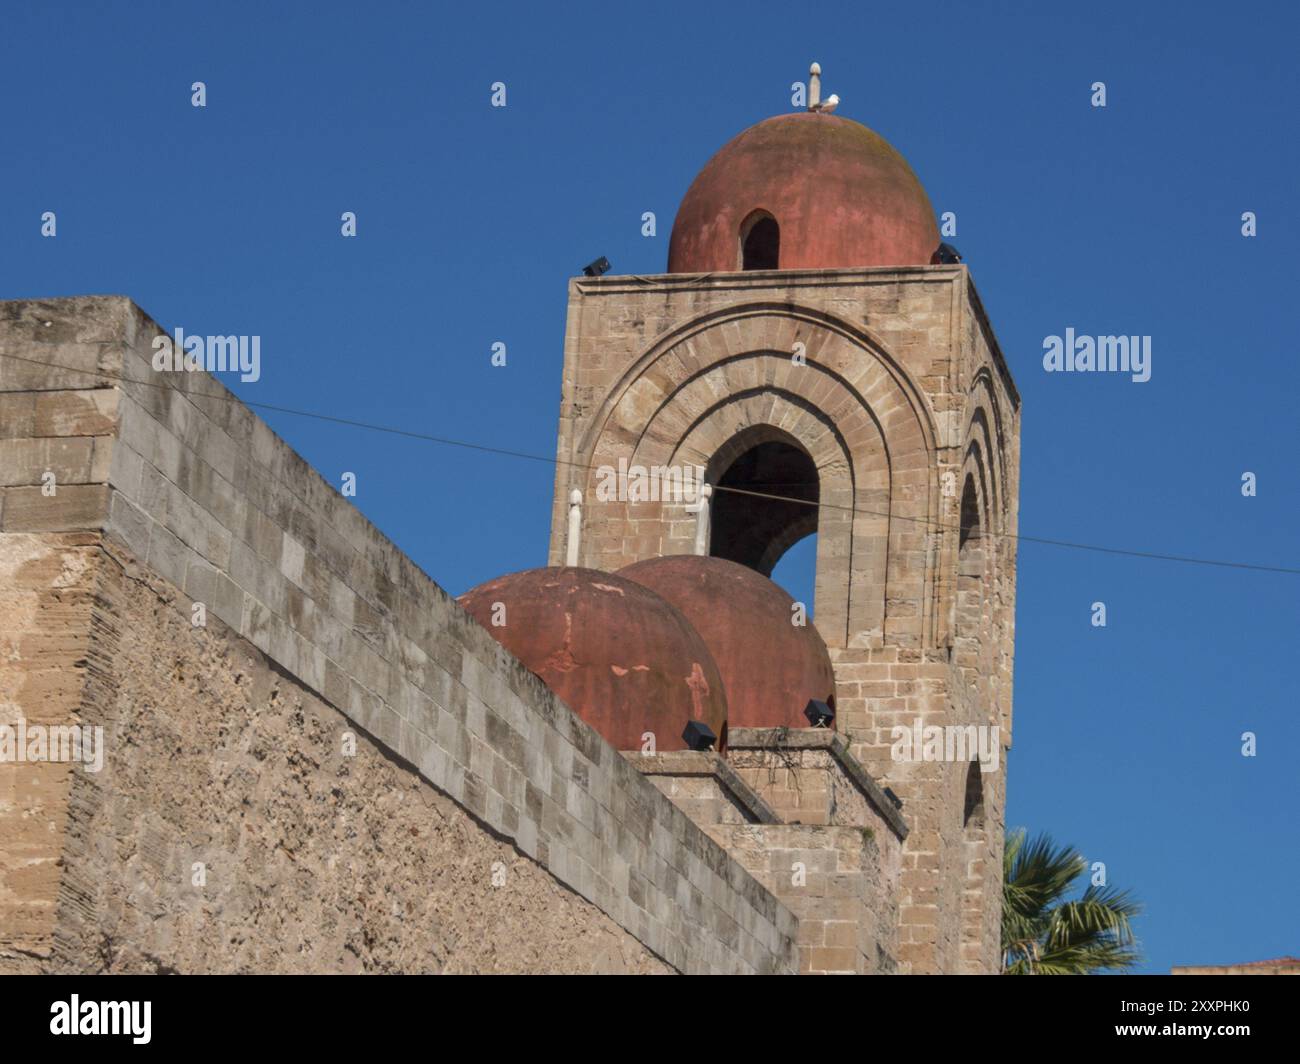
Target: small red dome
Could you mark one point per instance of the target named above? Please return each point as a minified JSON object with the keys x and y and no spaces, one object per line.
{"x":839,"y":194}
{"x":622,"y":658}
{"x":770,"y":666}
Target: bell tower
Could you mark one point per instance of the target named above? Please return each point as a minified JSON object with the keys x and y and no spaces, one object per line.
{"x":830,"y":371}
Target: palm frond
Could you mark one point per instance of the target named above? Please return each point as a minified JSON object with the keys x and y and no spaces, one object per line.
{"x":1045,"y":934}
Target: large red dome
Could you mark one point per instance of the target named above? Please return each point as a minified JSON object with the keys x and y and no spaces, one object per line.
{"x":839,"y":194}
{"x":622,"y":658}
{"x":770,"y":666}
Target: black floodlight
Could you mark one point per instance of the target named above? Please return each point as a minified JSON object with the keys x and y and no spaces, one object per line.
{"x":898,"y":802}
{"x":601,"y":265}
{"x":945,"y":255}
{"x":819,"y":714}
{"x":699,"y":736}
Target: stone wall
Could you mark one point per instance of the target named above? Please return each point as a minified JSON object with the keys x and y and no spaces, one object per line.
{"x":809,"y":776}
{"x":705,"y":786}
{"x":836,"y":880}
{"x":840,"y":871}
{"x":47,"y":588}
{"x":244,"y":825}
{"x":202,"y":502}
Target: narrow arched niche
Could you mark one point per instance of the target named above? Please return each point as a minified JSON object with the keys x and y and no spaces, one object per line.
{"x":760,"y":242}
{"x":968,"y":540}
{"x":973,"y":807}
{"x":970,"y":584}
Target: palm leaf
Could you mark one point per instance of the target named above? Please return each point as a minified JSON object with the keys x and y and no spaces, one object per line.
{"x":1043,"y":932}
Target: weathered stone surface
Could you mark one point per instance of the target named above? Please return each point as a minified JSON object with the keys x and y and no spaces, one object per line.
{"x":84,"y":413}
{"x":46,"y":602}
{"x":705,"y":786}
{"x":72,"y":507}
{"x":225,"y":770}
{"x":832,"y":878}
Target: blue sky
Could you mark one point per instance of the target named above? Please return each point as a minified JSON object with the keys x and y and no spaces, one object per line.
{"x":471,"y":220}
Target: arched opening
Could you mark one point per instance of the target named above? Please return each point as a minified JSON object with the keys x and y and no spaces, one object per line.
{"x":979,"y":874}
{"x":765,"y":498}
{"x":970,"y":515}
{"x":970,"y":583}
{"x":981,"y":879}
{"x":972,"y":817}
{"x":760,"y":242}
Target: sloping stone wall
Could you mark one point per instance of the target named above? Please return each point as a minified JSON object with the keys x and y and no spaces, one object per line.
{"x":203,"y":499}
{"x":242,"y":824}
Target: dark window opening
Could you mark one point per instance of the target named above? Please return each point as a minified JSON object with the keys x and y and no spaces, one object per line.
{"x":973,"y":814}
{"x":760,"y":243}
{"x":970,"y":514}
{"x":756,"y":531}
{"x":969,"y":606}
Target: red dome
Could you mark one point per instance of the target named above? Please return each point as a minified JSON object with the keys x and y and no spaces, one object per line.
{"x":840,"y":195}
{"x":619,"y":656}
{"x":771,"y":667}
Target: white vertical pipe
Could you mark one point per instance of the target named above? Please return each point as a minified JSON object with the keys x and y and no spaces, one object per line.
{"x":702,"y":520}
{"x":575,"y":527}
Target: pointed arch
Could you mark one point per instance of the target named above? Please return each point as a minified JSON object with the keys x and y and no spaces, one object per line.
{"x":839,"y":393}
{"x":749,"y":524}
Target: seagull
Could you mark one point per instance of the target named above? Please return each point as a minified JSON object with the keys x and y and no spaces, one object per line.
{"x":832,"y":102}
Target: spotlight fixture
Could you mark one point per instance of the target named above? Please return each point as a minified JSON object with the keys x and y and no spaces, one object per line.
{"x":819,"y":714}
{"x":601,"y":265}
{"x":699,"y":736}
{"x":945,"y":255}
{"x":898,"y":802}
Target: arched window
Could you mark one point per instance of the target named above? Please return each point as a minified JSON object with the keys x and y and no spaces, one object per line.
{"x":973,"y":814}
{"x":760,"y":242}
{"x":983,"y":875}
{"x":970,"y":584}
{"x":982,"y":879}
{"x":747,"y":527}
{"x":970,"y":516}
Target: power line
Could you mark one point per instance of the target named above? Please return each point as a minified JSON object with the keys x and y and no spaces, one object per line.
{"x":585,"y":467}
{"x":1036,"y":539}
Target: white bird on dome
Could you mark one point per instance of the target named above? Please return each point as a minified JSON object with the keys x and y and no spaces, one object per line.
{"x":832,"y":102}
